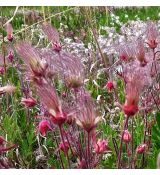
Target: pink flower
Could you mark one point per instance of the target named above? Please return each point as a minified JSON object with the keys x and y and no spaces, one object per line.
{"x":28,"y":102}
{"x":64,"y":147}
{"x":51,"y":101}
{"x":11,"y":56}
{"x":127,"y":136}
{"x":44,"y":126}
{"x":2,"y":70}
{"x":141,"y":149}
{"x":85,"y":114}
{"x":140,"y":53}
{"x":32,"y":59}
{"x":126,"y":52}
{"x":152,"y":34}
{"x":59,"y":119}
{"x":52,"y":35}
{"x":101,"y":147}
{"x":130,"y":110}
{"x":133,"y":89}
{"x":110,"y":86}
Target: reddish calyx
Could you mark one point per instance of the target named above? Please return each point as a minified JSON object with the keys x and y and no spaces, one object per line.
{"x":130,"y":110}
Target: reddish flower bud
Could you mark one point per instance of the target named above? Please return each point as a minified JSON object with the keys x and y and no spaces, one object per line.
{"x":101,"y":147}
{"x":152,"y":34}
{"x":141,"y":149}
{"x":57,"y":47}
{"x":11,"y":57}
{"x":2,"y":70}
{"x":28,"y":102}
{"x":110,"y":86}
{"x":140,"y":53}
{"x":44,"y":126}
{"x":64,"y":95}
{"x":59,"y":119}
{"x":126,"y":52}
{"x":130,"y":110}
{"x":52,"y":35}
{"x":127,"y":136}
{"x":64,"y":147}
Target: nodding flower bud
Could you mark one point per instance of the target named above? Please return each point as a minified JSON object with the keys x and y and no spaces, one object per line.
{"x":43,"y":127}
{"x":11,"y":56}
{"x":101,"y":147}
{"x":130,"y":110}
{"x":29,"y":102}
{"x":152,"y":34}
{"x":2,"y":140}
{"x":133,"y":89}
{"x":140,"y":53}
{"x":52,"y":35}
{"x":141,"y":149}
{"x":64,"y":147}
{"x":110,"y":86}
{"x":126,"y":52}
{"x":9,"y":31}
{"x":126,"y":136}
{"x":85,"y":115}
{"x":32,"y":59}
{"x":59,"y":118}
{"x":2,"y":70}
{"x":57,"y":47}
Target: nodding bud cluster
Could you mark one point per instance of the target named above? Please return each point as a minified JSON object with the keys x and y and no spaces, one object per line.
{"x":64,"y":147}
{"x":152,"y":34}
{"x":29,"y":102}
{"x":52,"y":35}
{"x":32,"y":59}
{"x":126,"y":136}
{"x":86,"y":114}
{"x":44,"y":126}
{"x":50,"y":99}
{"x":71,"y":68}
{"x":9,"y":31}
{"x":110,"y":86}
{"x":141,"y":149}
{"x":101,"y":147}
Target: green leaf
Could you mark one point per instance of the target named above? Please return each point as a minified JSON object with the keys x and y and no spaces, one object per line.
{"x":158,"y":119}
